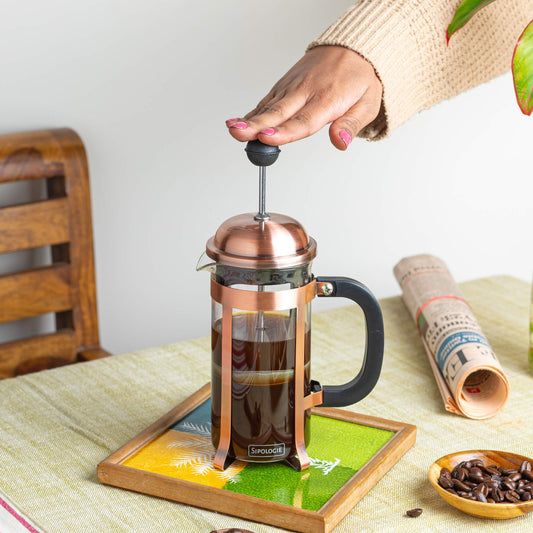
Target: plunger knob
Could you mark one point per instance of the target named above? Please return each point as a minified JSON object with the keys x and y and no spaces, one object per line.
{"x":261,"y":154}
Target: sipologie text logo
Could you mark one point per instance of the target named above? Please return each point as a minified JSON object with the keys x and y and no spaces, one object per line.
{"x":266,"y":450}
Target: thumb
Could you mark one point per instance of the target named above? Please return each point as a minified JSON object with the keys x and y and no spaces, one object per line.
{"x":343,"y":129}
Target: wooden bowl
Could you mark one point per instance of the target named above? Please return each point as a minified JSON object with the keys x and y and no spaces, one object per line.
{"x":480,"y":509}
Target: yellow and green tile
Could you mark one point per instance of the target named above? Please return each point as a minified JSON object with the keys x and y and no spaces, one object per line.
{"x":336,"y":451}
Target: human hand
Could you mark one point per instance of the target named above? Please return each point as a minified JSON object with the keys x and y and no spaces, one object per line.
{"x":328,"y":84}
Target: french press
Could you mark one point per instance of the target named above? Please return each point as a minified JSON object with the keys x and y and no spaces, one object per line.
{"x":261,"y":289}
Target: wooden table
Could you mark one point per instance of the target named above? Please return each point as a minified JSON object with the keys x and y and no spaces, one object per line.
{"x":57,"y":425}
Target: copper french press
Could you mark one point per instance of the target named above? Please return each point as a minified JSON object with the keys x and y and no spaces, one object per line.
{"x":261,"y":289}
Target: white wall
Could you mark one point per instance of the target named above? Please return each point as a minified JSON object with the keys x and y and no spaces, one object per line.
{"x":148,"y":86}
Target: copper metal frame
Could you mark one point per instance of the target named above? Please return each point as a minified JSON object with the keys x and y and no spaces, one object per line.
{"x":231,"y":298}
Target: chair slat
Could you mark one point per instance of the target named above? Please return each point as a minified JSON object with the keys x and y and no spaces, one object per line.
{"x":36,"y":353}
{"x":32,"y":171}
{"x":35,"y":292}
{"x":33,"y":225}
{"x":30,"y":155}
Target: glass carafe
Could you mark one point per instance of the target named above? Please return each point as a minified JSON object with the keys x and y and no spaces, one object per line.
{"x":263,"y":366}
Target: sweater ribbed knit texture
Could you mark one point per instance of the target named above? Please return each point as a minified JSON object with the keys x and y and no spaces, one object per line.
{"x":405,"y":41}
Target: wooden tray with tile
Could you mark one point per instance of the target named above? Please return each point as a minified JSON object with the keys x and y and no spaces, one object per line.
{"x":173,"y":457}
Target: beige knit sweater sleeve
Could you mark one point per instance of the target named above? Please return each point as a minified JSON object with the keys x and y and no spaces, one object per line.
{"x":405,"y":40}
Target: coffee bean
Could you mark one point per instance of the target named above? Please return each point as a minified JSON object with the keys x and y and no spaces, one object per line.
{"x":508,"y":485}
{"x":527,"y":474}
{"x":460,"y":485}
{"x":497,"y":495}
{"x":525,"y":496}
{"x":456,"y":469}
{"x":475,"y":475}
{"x":509,"y":471}
{"x":413,"y":513}
{"x":512,"y":496}
{"x":514,"y":477}
{"x":444,"y":472}
{"x":461,"y":474}
{"x":445,"y":482}
{"x":481,"y":488}
{"x":526,"y":465}
{"x":491,"y":469}
{"x":481,"y":497}
{"x":490,"y":500}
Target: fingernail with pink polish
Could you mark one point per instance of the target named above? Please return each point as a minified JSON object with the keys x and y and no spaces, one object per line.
{"x":231,"y":121}
{"x":268,"y":131}
{"x":239,"y":125}
{"x":346,"y":137}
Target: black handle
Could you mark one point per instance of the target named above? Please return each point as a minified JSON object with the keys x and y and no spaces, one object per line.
{"x":261,"y":154}
{"x":360,"y":386}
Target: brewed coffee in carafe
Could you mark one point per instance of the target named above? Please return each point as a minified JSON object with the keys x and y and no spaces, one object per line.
{"x":263,"y":361}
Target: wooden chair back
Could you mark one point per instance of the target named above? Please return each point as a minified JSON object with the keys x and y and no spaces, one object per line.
{"x":62,"y":221}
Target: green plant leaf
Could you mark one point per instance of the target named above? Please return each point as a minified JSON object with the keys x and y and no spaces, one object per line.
{"x":523,"y":70}
{"x":466,"y":10}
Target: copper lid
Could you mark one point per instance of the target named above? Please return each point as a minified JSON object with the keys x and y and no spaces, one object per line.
{"x":243,"y":241}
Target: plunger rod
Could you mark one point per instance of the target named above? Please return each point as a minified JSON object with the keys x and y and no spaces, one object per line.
{"x":262,"y":214}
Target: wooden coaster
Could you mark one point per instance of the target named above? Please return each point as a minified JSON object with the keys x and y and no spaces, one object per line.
{"x":173,"y":458}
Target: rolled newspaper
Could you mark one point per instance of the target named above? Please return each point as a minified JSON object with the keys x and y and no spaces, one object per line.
{"x":470,"y":378}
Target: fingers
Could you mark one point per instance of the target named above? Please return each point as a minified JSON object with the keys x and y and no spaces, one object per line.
{"x":304,"y":122}
{"x":268,"y":114}
{"x":290,"y":119}
{"x":264,"y":106}
{"x":346,"y":127}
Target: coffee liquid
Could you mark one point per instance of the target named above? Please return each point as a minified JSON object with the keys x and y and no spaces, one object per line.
{"x":262,"y":392}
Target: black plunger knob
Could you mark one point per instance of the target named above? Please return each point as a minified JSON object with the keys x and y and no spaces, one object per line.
{"x":261,"y":154}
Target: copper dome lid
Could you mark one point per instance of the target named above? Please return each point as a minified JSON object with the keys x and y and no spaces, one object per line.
{"x":244,"y":241}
